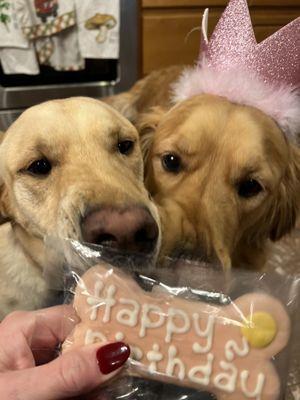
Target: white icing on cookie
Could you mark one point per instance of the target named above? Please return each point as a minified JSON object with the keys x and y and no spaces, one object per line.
{"x":94,"y":337}
{"x":232,"y":349}
{"x":119,"y":336}
{"x":136,"y":353}
{"x":146,"y":322}
{"x":226,"y":380}
{"x":255,"y":393}
{"x":175,"y":363}
{"x":182,"y":327}
{"x":204,"y":371}
{"x":207,"y":333}
{"x":95,"y":301}
{"x":128,"y":316}
{"x":109,"y":302}
{"x":154,"y":356}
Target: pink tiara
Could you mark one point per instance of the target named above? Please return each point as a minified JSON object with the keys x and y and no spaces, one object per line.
{"x":233,"y":65}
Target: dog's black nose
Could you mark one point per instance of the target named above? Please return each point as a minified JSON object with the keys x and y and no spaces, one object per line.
{"x":132,"y":229}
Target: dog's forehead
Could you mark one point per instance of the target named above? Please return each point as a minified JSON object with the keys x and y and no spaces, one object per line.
{"x":67,"y":119}
{"x":209,"y":123}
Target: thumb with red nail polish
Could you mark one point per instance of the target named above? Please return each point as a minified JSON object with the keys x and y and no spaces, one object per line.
{"x":74,"y":373}
{"x":112,"y":356}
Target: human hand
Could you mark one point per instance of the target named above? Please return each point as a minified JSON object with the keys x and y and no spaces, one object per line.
{"x":29,"y":369}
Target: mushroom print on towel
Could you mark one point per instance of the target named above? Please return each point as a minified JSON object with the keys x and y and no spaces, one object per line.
{"x":98,"y":28}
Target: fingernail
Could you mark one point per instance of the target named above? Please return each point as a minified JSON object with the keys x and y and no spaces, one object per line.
{"x":112,"y":356}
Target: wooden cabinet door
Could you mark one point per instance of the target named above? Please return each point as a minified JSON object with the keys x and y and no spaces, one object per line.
{"x":172,"y":36}
{"x":182,"y":3}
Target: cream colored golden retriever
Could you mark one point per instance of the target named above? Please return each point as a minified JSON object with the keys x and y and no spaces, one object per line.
{"x":223,"y":175}
{"x":71,"y":168}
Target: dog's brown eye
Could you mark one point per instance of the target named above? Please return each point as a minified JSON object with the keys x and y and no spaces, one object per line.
{"x":40,"y":167}
{"x":125,"y":147}
{"x":171,"y":163}
{"x":249,"y":188}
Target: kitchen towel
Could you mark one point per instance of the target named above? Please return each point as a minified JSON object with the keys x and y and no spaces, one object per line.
{"x":19,"y":61}
{"x":10,"y":31}
{"x":43,"y":18}
{"x":98,"y":28}
{"x":61,"y":51}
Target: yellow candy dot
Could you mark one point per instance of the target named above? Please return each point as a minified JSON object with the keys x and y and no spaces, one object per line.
{"x":260,"y":329}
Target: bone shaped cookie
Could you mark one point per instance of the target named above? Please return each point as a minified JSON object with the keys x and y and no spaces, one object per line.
{"x":225,"y":350}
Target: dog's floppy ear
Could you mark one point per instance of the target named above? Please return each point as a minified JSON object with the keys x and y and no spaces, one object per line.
{"x":287,"y":205}
{"x":124,"y":103}
{"x":146,"y":126}
{"x":3,"y":217}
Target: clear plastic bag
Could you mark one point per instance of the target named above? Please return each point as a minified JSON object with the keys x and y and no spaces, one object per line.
{"x":194,"y":332}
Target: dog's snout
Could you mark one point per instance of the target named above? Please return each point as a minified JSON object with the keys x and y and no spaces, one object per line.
{"x":132,"y":229}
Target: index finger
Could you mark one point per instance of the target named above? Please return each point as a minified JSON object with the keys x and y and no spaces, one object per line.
{"x":57,"y":321}
{"x":43,"y":328}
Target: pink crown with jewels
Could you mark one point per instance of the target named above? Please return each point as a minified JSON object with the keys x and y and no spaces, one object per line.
{"x":232,"y":64}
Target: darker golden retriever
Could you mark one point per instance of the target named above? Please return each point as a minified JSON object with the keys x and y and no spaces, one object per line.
{"x":223,"y":175}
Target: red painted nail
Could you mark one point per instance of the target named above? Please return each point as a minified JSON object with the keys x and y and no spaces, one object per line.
{"x":112,"y":356}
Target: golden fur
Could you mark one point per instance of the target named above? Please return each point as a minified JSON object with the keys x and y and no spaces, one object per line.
{"x":220,"y":144}
{"x":80,"y":136}
{"x":153,"y":90}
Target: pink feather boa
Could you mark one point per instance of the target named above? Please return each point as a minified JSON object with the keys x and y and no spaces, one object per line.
{"x":282,"y":103}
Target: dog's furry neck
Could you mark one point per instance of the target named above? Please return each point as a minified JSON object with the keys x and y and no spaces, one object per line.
{"x":251,"y":257}
{"x":23,"y":283}
{"x":32,"y":247}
